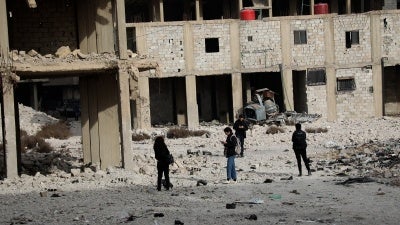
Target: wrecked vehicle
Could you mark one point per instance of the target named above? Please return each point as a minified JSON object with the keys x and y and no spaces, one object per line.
{"x":262,"y":107}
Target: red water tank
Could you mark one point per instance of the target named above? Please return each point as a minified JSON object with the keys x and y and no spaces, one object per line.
{"x":321,"y":8}
{"x":247,"y":14}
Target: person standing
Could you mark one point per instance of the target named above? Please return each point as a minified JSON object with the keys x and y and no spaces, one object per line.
{"x":240,"y":127}
{"x":229,"y":145}
{"x":162,"y":156}
{"x":300,"y":148}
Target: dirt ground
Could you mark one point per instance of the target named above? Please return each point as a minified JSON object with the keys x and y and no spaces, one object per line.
{"x":268,"y":189}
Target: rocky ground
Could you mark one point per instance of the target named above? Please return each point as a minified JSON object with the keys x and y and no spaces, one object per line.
{"x":355,"y":179}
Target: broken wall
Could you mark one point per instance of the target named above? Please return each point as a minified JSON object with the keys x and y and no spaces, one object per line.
{"x":390,"y":30}
{"x":316,"y":100}
{"x":358,"y":103}
{"x":45,"y":28}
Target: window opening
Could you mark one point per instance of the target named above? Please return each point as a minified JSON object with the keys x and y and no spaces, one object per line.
{"x":352,"y":38}
{"x":346,"y":84}
{"x":300,"y":37}
{"x":212,"y":45}
{"x":316,"y":76}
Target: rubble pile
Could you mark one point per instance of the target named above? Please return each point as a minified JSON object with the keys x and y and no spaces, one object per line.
{"x":380,"y":160}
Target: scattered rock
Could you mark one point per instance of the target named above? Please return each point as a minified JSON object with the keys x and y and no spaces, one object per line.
{"x":201,"y":182}
{"x":231,"y":206}
{"x":32,"y":53}
{"x":252,"y":217}
{"x":63,"y":52}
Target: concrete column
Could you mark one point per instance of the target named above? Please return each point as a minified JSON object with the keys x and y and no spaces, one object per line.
{"x":270,"y":8}
{"x":191,"y":102}
{"x":9,"y":129}
{"x":235,"y":46}
{"x":376,"y":41}
{"x":286,"y":70}
{"x":141,"y":40}
{"x":292,"y":8}
{"x":125,"y":120}
{"x":312,"y":3}
{"x":237,"y":95}
{"x":188,"y":47}
{"x":143,"y":104}
{"x":4,"y":28}
{"x":348,"y":6}
{"x":199,"y":10}
{"x":161,"y":10}
{"x":330,"y":69}
{"x":122,"y":42}
{"x":85,"y":124}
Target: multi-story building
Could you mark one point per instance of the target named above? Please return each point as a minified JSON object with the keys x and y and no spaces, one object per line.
{"x":200,"y":60}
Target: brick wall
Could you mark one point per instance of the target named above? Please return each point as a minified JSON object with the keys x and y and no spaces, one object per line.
{"x":357,"y":53}
{"x":51,"y":25}
{"x":312,"y":53}
{"x":260,"y":44}
{"x":316,"y":100}
{"x":358,"y":103}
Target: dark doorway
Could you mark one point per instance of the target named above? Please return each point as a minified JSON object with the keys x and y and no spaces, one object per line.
{"x":300,"y":91}
{"x":391,"y":94}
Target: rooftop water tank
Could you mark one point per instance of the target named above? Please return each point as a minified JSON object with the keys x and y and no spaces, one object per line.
{"x":321,"y":8}
{"x":247,"y":14}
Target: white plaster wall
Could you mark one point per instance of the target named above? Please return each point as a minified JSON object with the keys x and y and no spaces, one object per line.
{"x":215,"y":61}
{"x":390,"y":30}
{"x":264,"y":50}
{"x":165,"y":44}
{"x":357,"y":53}
{"x":360,"y":102}
{"x":312,"y":53}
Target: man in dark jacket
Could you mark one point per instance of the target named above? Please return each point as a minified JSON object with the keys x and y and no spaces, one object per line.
{"x":299,"y":147}
{"x":240,"y":127}
{"x":229,"y":145}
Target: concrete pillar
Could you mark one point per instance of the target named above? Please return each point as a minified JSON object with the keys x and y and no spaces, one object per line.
{"x":85,"y":124}
{"x":376,"y":41}
{"x":4,"y":28}
{"x":161,"y":2}
{"x":312,"y":3}
{"x":240,"y":7}
{"x":122,"y":42}
{"x":235,"y":46}
{"x":348,"y":6}
{"x":141,"y":40}
{"x":125,"y":120}
{"x":188,"y":47}
{"x":292,"y":8}
{"x":270,"y":8}
{"x":9,"y":129}
{"x":286,"y":70}
{"x":191,"y":102}
{"x":93,"y":120}
{"x":330,"y":69}
{"x":199,"y":10}
{"x":143,"y":104}
{"x":237,"y":95}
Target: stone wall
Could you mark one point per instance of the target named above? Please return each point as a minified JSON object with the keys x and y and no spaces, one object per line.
{"x":358,"y":53}
{"x":211,"y":62}
{"x":316,"y":100}
{"x":165,"y":45}
{"x":260,"y":44}
{"x":313,"y":53}
{"x":51,"y":25}
{"x":358,"y":103}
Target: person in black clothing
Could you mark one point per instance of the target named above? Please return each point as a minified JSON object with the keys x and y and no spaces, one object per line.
{"x":229,"y":145}
{"x":240,"y":127}
{"x":299,"y":147}
{"x":162,"y":155}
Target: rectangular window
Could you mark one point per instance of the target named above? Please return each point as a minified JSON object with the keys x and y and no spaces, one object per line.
{"x":212,"y":44}
{"x":346,"y":84}
{"x":249,"y":38}
{"x":352,"y":38}
{"x":316,"y":76}
{"x":300,"y":37}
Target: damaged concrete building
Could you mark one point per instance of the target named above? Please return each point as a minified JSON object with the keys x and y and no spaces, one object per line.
{"x":198,"y":60}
